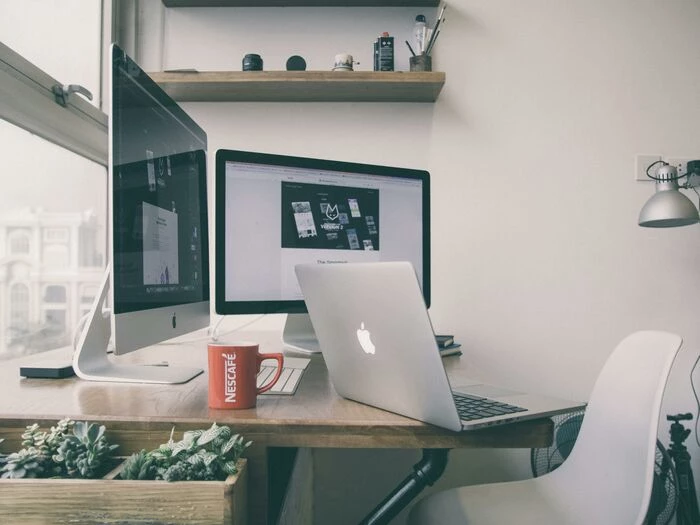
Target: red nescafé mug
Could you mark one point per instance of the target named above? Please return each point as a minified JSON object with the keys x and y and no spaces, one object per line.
{"x":233,"y":371}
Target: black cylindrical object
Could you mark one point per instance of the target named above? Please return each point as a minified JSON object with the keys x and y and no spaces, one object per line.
{"x":252,"y":62}
{"x":296,"y":63}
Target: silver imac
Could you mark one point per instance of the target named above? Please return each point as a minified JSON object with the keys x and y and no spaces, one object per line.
{"x":157,"y":283}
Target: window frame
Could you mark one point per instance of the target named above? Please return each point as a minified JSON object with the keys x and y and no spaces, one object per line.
{"x":27,"y":100}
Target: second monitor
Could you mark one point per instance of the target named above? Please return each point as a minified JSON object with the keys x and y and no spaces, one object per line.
{"x":273,"y":212}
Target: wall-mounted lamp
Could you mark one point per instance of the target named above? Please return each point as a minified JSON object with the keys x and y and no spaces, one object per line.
{"x":668,"y":207}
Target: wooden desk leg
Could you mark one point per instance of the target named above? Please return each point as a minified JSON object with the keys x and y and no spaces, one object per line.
{"x":426,"y":472}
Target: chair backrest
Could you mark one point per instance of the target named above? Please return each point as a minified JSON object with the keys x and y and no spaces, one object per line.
{"x":608,"y":476}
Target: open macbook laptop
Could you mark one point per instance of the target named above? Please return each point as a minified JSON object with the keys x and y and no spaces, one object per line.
{"x":378,"y":343}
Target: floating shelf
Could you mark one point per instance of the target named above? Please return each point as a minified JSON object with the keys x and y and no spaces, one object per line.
{"x":301,"y":86}
{"x":300,"y":3}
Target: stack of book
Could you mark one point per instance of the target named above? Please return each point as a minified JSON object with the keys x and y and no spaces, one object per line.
{"x":447,"y":346}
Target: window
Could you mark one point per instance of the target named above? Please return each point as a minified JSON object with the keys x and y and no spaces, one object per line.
{"x":19,"y":305}
{"x":19,"y":243}
{"x":53,"y":207}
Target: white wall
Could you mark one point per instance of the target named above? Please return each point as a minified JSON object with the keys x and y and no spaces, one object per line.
{"x":539,"y":267}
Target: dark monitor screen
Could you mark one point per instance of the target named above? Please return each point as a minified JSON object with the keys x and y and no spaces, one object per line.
{"x":273,"y":212}
{"x":159,"y":208}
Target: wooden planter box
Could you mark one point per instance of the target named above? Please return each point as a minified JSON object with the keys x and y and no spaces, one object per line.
{"x":113,"y":501}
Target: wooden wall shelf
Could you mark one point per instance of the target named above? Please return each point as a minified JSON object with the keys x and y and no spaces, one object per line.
{"x":300,"y":3}
{"x":301,"y":86}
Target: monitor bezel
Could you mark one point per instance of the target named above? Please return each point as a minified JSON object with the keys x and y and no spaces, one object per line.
{"x":223,"y":156}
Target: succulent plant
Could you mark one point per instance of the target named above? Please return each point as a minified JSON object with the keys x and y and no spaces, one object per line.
{"x":140,"y":465}
{"x":46,"y":444}
{"x":27,"y":463}
{"x":209,"y":454}
{"x":86,"y":452}
{"x":75,"y":449}
{"x":52,"y":439}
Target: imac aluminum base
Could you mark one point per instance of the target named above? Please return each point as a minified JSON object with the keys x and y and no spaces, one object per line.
{"x":90,"y":360}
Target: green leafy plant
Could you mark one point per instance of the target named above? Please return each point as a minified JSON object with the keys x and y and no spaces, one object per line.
{"x":27,"y":463}
{"x":85,"y":453}
{"x":209,"y":454}
{"x":46,"y":445}
{"x":69,"y":449}
{"x":35,"y":459}
{"x":139,"y":465}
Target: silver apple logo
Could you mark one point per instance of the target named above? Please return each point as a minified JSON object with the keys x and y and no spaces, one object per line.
{"x":363,"y":336}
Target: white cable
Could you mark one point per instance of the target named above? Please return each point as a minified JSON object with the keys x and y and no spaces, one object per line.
{"x":214,"y":330}
{"x":215,"y":335}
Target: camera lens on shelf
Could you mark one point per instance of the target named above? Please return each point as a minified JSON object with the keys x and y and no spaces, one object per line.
{"x":252,"y":62}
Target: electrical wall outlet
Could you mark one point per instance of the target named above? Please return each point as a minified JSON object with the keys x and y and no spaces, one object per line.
{"x":681,"y":164}
{"x":643,"y":162}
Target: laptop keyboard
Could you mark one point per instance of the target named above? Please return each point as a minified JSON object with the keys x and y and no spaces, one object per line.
{"x":287,"y":383}
{"x":473,"y":407}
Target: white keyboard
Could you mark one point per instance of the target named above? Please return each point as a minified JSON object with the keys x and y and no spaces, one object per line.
{"x":288,"y":381}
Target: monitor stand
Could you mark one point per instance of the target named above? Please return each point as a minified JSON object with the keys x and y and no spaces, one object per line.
{"x":299,"y":335}
{"x":90,"y":360}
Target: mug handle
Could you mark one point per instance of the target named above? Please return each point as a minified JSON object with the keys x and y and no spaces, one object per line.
{"x":280,"y":360}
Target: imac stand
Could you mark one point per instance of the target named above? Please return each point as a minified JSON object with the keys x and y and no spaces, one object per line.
{"x":90,"y":361}
{"x":299,"y":335}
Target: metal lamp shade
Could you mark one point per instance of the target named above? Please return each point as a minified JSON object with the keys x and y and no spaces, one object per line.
{"x":668,"y":208}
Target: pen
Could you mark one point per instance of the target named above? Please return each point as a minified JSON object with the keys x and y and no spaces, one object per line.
{"x":410,"y":48}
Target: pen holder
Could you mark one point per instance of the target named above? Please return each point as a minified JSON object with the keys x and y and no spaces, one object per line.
{"x":421,"y":63}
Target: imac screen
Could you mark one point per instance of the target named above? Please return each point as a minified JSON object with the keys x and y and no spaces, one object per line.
{"x":159,"y":206}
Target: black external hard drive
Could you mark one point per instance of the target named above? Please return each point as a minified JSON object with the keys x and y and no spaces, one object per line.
{"x":48,"y":370}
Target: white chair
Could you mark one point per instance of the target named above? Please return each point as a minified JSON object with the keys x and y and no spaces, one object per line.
{"x":608,"y":476}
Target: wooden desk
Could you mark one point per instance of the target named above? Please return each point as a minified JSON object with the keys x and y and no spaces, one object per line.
{"x":139,"y":415}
